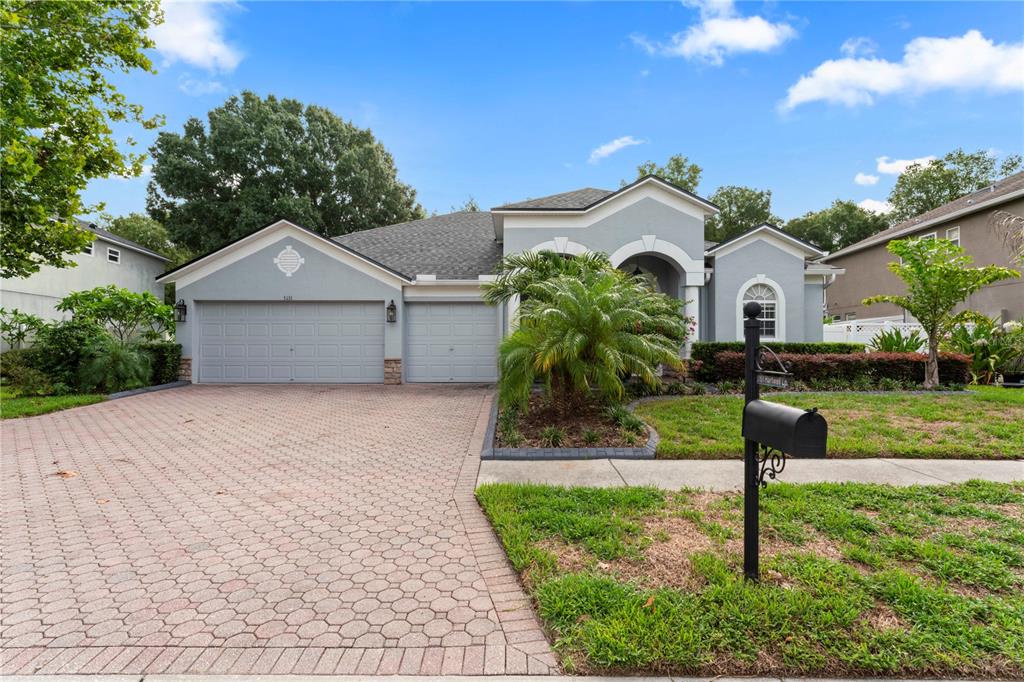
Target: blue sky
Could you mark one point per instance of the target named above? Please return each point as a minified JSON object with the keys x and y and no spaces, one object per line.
{"x":508,"y":101}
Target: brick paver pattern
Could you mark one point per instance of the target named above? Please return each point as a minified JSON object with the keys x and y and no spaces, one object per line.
{"x":258,"y":529}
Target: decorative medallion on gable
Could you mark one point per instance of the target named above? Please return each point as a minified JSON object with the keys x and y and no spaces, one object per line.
{"x":288,"y":261}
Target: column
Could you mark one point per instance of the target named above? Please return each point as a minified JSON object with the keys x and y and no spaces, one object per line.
{"x":691,"y":295}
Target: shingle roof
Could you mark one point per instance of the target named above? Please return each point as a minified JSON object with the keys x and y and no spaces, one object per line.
{"x":117,"y":239}
{"x":1007,"y":185}
{"x":576,"y":199}
{"x":453,"y":246}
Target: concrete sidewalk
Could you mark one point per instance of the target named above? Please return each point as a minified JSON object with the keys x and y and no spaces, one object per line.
{"x":727,"y":474}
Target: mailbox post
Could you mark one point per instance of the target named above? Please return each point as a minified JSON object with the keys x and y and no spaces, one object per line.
{"x":770,"y":431}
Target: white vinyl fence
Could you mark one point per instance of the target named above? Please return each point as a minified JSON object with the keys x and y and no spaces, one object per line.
{"x":862,"y":332}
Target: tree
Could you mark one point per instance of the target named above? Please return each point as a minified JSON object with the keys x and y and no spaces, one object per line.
{"x":58,"y":108}
{"x":16,"y":326}
{"x":260,"y":160}
{"x":679,"y":171}
{"x":518,"y":272}
{"x":470,"y":206}
{"x":584,"y":335}
{"x":741,"y":209}
{"x":938,"y":278}
{"x":149,"y":233}
{"x":126,"y":314}
{"x":922,"y":187}
{"x":841,"y":224}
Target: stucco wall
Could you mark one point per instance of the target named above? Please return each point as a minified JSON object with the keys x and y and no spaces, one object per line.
{"x":320,"y":278}
{"x":645,"y":217}
{"x":867,"y":271}
{"x":737,"y":267}
{"x":814,"y":329}
{"x":39,"y":293}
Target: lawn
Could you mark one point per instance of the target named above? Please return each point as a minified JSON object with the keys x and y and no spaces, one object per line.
{"x":12,"y":405}
{"x":984,"y":423}
{"x":857,"y":579}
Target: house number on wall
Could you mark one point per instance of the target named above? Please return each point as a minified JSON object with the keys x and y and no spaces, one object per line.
{"x":288,"y":261}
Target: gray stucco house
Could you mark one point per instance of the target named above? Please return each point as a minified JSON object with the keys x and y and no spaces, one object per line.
{"x":402,"y":302}
{"x":110,"y":259}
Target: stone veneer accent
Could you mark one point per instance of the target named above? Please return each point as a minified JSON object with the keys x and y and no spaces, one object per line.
{"x":185,"y":370}
{"x":393,"y":371}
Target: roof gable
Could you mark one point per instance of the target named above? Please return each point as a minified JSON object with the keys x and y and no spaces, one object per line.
{"x":784,"y":240}
{"x":235,"y":251}
{"x":588,"y":198}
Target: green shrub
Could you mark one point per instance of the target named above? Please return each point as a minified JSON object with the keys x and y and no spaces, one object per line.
{"x":165,"y":360}
{"x":16,"y":357}
{"x":28,"y":381}
{"x":627,"y":420}
{"x":552,"y":436}
{"x":128,"y":315}
{"x":512,"y":438}
{"x":895,"y":341}
{"x":61,"y":346}
{"x":16,"y":327}
{"x":704,"y":353}
{"x":992,"y":347}
{"x":109,"y":367}
{"x":590,"y":436}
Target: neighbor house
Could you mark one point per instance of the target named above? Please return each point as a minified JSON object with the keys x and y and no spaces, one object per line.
{"x":970,"y":221}
{"x":109,"y":259}
{"x":402,"y":302}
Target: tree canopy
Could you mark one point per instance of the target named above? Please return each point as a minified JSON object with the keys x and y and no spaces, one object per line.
{"x":679,"y":170}
{"x":149,"y":233}
{"x":58,"y":108}
{"x":922,"y":187}
{"x":259,"y":160}
{"x":841,"y":224}
{"x":742,"y":208}
{"x":938,"y":276}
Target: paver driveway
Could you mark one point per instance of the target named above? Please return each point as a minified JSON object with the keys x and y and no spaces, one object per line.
{"x":258,"y":529}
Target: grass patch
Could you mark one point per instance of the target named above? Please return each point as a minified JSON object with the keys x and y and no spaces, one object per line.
{"x":858,"y":579}
{"x":12,"y":405}
{"x":984,"y":424}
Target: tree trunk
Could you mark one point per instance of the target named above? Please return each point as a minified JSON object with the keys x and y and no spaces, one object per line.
{"x":931,"y":367}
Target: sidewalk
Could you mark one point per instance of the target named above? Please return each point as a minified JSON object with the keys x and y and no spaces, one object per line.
{"x":728,"y":474}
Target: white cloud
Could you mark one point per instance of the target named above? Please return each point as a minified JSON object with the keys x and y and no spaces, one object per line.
{"x":860,"y":46}
{"x":875,"y":206}
{"x":967,"y":62}
{"x":721,"y":32}
{"x":193,"y":32}
{"x":897,"y":166}
{"x":865,"y":179}
{"x":609,"y":148}
{"x":195,"y":87}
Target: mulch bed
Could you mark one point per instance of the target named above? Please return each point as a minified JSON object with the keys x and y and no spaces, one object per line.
{"x":593,"y":417}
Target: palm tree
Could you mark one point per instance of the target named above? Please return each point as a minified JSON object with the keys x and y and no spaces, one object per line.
{"x":518,"y":272}
{"x":584,"y":335}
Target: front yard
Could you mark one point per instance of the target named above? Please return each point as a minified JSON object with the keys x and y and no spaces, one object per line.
{"x":13,"y":405}
{"x":856,"y":579}
{"x":984,"y":423}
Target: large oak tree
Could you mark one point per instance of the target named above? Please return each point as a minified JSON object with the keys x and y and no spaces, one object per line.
{"x":262,"y":159}
{"x":841,"y":224}
{"x":740,"y":209}
{"x":58,"y":107}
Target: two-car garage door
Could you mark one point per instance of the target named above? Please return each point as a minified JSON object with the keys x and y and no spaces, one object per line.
{"x":307,"y":342}
{"x":343,"y":342}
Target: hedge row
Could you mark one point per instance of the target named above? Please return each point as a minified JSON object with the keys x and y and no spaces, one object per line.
{"x":907,"y":367}
{"x":705,"y":351}
{"x":164,"y":360}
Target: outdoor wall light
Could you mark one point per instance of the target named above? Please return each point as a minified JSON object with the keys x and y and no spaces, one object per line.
{"x":392,"y":312}
{"x":180,"y":310}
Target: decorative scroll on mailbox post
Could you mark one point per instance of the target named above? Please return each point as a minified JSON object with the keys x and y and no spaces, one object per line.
{"x":771,"y":431}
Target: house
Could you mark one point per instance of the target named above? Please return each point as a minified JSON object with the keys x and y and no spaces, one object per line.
{"x":109,"y":259}
{"x":967,"y":221}
{"x":402,"y":302}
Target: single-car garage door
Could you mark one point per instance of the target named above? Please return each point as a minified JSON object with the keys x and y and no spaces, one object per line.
{"x":281,"y":342}
{"x":451,"y":342}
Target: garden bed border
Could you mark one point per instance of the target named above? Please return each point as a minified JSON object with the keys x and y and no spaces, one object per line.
{"x":491,"y":452}
{"x":147,"y":389}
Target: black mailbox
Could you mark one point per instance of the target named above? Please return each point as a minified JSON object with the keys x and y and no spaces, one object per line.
{"x":792,"y":431}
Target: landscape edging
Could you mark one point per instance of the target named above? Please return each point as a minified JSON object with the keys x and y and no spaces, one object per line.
{"x":147,"y":389}
{"x":491,"y":452}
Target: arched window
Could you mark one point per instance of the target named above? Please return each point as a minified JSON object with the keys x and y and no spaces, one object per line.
{"x":766,"y":296}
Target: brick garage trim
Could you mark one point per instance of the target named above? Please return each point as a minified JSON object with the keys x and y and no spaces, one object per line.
{"x":185,"y":370}
{"x":393,"y":371}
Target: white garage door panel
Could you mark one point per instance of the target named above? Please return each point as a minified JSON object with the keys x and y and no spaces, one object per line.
{"x":291,"y":342}
{"x":451,"y":342}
